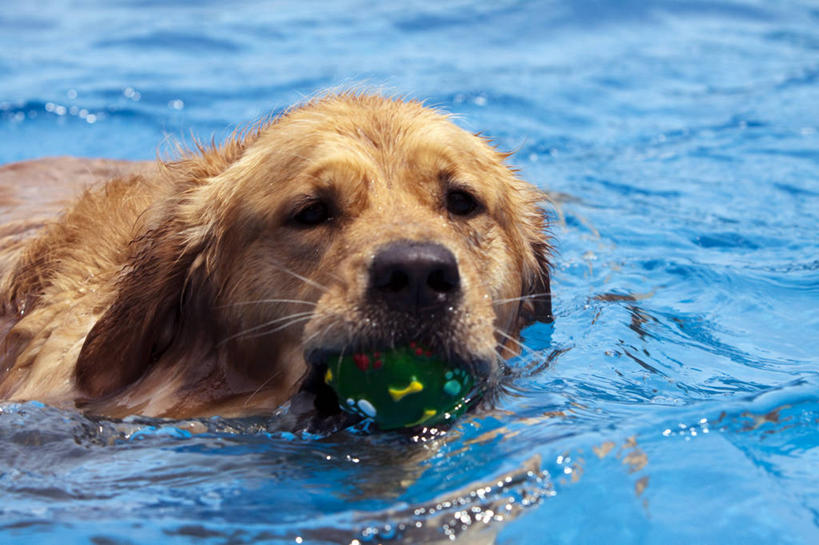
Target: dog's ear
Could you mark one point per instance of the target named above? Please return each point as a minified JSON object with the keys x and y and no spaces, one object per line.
{"x":536,"y":302}
{"x":145,"y":315}
{"x":162,"y":295}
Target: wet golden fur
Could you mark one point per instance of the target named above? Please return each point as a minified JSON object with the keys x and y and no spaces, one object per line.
{"x":186,"y":289}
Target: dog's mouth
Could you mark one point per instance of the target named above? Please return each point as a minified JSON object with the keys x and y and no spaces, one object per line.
{"x":318,"y":357}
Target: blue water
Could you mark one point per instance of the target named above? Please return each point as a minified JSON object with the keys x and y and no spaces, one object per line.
{"x":676,"y":397}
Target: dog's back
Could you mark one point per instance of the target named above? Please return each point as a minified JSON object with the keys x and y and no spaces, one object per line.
{"x":55,"y":267}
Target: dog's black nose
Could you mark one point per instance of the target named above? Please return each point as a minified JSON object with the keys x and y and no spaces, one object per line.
{"x":411,"y":276}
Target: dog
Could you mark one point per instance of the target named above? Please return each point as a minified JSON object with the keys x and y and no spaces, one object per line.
{"x":220,"y":282}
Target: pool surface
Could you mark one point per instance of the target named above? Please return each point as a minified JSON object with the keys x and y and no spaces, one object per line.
{"x":674,"y":400}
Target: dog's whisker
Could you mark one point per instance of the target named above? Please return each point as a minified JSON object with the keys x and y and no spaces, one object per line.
{"x":265,"y":301}
{"x":279,"y":328}
{"x":261,"y":387}
{"x":266,"y":324}
{"x":522,"y":298}
{"x":514,"y":340}
{"x":334,"y":275}
{"x":318,"y":333}
{"x":498,"y":354}
{"x":503,"y":346}
{"x":311,"y":337}
{"x":301,"y":277}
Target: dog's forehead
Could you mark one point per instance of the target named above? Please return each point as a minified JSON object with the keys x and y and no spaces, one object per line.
{"x":387,"y":132}
{"x":394,"y":135}
{"x":372,"y":149}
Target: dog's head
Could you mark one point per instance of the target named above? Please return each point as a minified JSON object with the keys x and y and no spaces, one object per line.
{"x":354,"y":222}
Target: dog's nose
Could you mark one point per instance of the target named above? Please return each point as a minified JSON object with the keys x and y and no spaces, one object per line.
{"x":411,"y":276}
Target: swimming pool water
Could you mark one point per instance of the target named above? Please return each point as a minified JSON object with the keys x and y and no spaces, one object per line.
{"x":674,"y":400}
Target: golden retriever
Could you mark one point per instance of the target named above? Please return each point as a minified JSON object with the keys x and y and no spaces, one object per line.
{"x":219,"y":282}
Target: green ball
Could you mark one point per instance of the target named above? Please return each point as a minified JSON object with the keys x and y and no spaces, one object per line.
{"x":400,"y":388}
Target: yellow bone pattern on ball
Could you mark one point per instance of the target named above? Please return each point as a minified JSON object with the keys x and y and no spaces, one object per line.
{"x":399,"y":393}
{"x":428,"y":413}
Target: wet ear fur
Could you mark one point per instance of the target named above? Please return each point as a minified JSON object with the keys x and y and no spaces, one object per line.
{"x":536,"y":304}
{"x":144,"y":319}
{"x":163,"y":290}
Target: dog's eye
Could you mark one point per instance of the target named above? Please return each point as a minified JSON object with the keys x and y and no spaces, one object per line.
{"x":461,"y":203}
{"x":313,"y":214}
